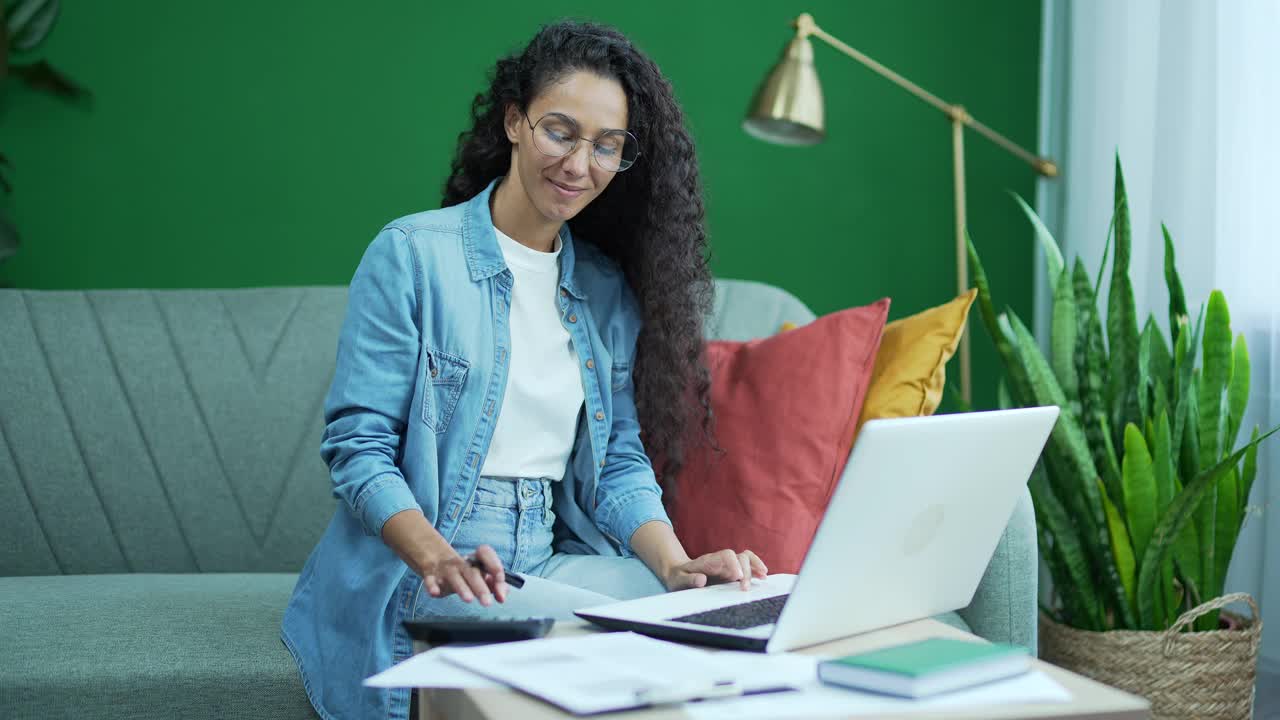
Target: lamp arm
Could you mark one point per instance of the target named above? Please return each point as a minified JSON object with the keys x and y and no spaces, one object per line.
{"x":805,"y":26}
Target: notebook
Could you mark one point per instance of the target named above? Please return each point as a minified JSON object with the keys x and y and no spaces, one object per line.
{"x":926,"y":667}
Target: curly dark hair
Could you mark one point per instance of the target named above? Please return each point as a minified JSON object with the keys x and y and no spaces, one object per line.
{"x":650,"y":219}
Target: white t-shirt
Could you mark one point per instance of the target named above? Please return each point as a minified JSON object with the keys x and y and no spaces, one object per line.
{"x":535,"y":430}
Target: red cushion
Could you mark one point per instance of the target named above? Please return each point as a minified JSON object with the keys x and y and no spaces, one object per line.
{"x":786,"y":408}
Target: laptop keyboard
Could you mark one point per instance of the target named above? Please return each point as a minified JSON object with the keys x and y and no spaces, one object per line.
{"x":741,"y":616}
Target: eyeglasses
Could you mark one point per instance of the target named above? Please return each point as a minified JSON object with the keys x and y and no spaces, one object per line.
{"x":557,"y":135}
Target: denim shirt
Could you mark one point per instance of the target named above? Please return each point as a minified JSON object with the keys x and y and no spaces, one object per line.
{"x":422,"y":365}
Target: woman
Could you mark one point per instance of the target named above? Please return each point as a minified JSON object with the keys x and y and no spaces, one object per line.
{"x":495,"y":369}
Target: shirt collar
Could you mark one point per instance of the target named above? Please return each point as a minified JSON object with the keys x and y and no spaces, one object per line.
{"x":484,"y":255}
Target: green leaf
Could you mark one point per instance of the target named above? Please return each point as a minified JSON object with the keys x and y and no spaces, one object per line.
{"x":1091,"y":358}
{"x":1052,"y":255}
{"x":1176,"y":518}
{"x":1237,"y":391}
{"x":1207,"y":512}
{"x":1177,"y":298}
{"x":1162,"y":398}
{"x":1106,"y":251}
{"x":1163,"y":466}
{"x":1162,"y":462}
{"x":1186,"y":421}
{"x":1122,"y":322}
{"x":1112,"y":474}
{"x":1122,"y":549}
{"x":1184,"y":359}
{"x":1003,"y":401}
{"x":1214,"y":380}
{"x":1145,"y":341}
{"x":1190,"y":460}
{"x":1192,"y":595}
{"x":1186,"y":457}
{"x":40,"y":75}
{"x":1181,"y":362}
{"x":1120,"y":268}
{"x":1051,"y":612}
{"x":1062,"y":340}
{"x":1066,"y":557}
{"x":1071,"y":468}
{"x":1159,"y":360}
{"x":1139,"y":488}
{"x":29,"y":22}
{"x":1166,"y":602}
{"x":1018,"y":383}
{"x":1186,"y":546}
{"x":986,"y":308}
{"x":1250,"y":471}
{"x":1227,"y":526}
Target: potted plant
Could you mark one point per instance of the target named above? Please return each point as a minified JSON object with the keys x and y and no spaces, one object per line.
{"x":24,"y":24}
{"x":1141,"y":491}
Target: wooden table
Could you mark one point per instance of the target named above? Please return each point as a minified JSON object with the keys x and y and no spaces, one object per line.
{"x":1090,"y":699}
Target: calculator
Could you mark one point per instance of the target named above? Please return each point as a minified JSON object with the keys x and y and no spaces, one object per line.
{"x":440,"y":630}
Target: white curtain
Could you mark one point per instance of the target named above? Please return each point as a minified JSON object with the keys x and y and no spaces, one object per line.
{"x":1188,"y":93}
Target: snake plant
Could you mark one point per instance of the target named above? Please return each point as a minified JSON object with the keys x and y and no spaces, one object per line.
{"x":1141,"y":491}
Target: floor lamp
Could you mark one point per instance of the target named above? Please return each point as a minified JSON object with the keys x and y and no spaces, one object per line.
{"x":788,"y":110}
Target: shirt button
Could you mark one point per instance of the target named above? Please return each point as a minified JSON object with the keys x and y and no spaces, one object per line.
{"x":601,"y":463}
{"x":564,"y":293}
{"x":599,"y":415}
{"x":591,"y":364}
{"x":573,"y":318}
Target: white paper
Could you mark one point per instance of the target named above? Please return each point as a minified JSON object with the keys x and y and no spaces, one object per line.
{"x":758,"y":671}
{"x":428,"y":669}
{"x":595,"y":673}
{"x":821,"y":700}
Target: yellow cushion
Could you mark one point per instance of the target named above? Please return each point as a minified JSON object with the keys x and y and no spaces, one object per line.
{"x":910,"y":369}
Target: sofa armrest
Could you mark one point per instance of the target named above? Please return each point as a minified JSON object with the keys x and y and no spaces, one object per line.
{"x":1005,"y":607}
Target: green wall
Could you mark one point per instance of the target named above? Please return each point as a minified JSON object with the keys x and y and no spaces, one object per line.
{"x":243,"y":144}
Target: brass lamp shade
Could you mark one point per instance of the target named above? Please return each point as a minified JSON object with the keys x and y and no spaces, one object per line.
{"x":787,"y":108}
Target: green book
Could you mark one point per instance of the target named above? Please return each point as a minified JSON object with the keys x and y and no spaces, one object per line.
{"x":927,"y":667}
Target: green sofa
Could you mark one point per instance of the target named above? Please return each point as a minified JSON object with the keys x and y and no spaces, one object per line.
{"x":161,"y":484}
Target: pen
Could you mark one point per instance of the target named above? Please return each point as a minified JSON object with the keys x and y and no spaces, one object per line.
{"x":677,"y":694}
{"x":511,"y":578}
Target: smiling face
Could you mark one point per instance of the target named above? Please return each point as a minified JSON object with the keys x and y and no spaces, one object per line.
{"x":560,"y":187}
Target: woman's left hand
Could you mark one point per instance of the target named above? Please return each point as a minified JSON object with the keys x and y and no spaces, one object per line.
{"x":722,"y":566}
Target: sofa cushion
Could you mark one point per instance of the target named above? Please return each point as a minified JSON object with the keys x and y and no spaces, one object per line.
{"x":148,"y":646}
{"x":785,"y":409}
{"x":911,"y":365}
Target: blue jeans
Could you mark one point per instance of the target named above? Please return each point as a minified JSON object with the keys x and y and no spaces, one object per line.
{"x":515,"y":518}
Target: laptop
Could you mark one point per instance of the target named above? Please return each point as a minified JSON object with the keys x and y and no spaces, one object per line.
{"x":913,"y":522}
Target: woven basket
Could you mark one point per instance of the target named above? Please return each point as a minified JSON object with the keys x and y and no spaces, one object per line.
{"x":1183,"y":675}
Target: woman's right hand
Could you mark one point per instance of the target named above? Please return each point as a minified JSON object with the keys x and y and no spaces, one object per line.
{"x":480,"y":576}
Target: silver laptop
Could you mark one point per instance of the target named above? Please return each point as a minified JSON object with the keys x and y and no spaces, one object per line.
{"x":908,"y":534}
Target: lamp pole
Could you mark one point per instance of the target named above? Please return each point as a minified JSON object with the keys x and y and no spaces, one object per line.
{"x":781,"y":103}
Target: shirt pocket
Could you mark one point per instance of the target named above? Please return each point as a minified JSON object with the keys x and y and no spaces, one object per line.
{"x":619,"y":377}
{"x":445,"y":376}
